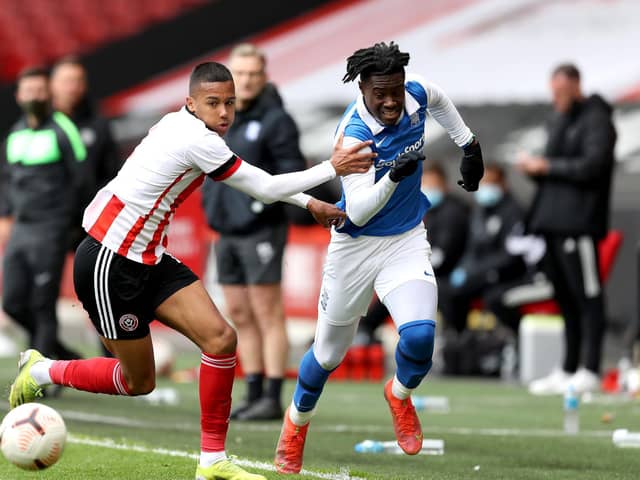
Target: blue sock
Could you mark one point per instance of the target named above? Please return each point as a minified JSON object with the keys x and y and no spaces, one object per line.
{"x":311,"y":380}
{"x":414,"y":351}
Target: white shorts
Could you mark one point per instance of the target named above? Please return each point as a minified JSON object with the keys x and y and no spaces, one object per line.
{"x":355,"y":267}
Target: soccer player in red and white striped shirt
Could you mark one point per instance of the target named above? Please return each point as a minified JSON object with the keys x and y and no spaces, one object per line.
{"x":125,"y":279}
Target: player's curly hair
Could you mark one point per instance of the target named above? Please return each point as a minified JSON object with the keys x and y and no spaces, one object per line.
{"x":381,"y":59}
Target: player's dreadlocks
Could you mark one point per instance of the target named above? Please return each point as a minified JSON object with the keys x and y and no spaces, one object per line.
{"x":381,"y":59}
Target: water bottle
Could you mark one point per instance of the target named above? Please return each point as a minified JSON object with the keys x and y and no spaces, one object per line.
{"x":429,"y":447}
{"x":626,"y":439}
{"x":571,"y":419}
{"x":369,"y":446}
{"x":430,"y":404}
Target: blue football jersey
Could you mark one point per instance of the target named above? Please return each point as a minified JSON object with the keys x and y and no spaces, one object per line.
{"x":407,"y":205}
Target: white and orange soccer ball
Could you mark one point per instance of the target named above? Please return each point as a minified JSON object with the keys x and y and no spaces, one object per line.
{"x":32,"y":436}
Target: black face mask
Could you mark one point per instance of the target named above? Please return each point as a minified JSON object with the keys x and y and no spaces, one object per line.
{"x":38,"y":108}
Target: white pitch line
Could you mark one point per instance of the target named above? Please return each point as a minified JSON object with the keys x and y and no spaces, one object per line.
{"x":243,"y":462}
{"x":331,"y":428}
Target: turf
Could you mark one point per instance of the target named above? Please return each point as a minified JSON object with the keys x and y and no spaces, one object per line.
{"x":493,"y":431}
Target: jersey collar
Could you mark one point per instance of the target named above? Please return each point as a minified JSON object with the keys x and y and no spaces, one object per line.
{"x":411,"y":106}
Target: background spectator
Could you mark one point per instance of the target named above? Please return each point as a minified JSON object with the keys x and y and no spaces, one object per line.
{"x":571,"y":210}
{"x":69,"y":95}
{"x":253,"y":235}
{"x":41,"y":182}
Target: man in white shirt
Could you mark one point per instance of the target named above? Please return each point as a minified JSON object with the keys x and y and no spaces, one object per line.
{"x":125,"y":279}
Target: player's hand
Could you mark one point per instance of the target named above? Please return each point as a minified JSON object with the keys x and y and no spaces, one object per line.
{"x":350,"y":160}
{"x":471,"y":167}
{"x":405,"y":165}
{"x":326,"y":214}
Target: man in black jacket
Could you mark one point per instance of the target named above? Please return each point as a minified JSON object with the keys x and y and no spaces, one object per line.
{"x":69,"y":95}
{"x":253,"y":235}
{"x":42,"y":169}
{"x":571,"y":210}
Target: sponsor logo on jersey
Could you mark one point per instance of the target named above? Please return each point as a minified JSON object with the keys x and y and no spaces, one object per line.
{"x":128,"y":322}
{"x":418,"y":145}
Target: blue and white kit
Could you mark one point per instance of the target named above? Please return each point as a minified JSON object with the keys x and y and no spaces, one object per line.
{"x":382,"y":245}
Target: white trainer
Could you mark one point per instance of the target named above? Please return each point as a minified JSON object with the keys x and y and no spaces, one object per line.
{"x":585,"y":380}
{"x":555,"y":383}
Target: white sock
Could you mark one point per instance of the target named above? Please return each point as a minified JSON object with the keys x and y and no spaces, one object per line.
{"x":209,"y":458}
{"x":40,"y":372}
{"x":399,"y":390}
{"x":298,"y":418}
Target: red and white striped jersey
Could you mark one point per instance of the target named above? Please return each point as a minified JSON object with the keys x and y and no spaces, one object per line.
{"x":130,"y":215}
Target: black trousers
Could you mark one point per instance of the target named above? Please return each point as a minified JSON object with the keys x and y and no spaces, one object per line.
{"x":572,"y":265}
{"x":33,"y":263}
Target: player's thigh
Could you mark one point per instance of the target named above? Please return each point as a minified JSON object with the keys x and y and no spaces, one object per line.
{"x":411,"y":301}
{"x":347,"y":280}
{"x":261,"y":254}
{"x":406,"y":282}
{"x":115,"y":291}
{"x":191,"y":312}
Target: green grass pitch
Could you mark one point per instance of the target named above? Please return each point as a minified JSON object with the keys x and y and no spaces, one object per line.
{"x":493,"y":431}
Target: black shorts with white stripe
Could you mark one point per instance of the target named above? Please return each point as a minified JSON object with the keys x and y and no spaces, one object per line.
{"x":121,"y":295}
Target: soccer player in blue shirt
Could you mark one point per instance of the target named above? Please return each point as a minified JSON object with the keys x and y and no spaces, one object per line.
{"x":382,"y":245}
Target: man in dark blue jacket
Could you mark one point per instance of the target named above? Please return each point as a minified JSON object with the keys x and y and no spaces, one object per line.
{"x":253,"y":235}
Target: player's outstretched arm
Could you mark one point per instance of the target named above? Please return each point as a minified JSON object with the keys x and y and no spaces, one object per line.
{"x":445,"y":113}
{"x":271,"y":188}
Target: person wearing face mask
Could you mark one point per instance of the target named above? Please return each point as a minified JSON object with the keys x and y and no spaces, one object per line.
{"x":486,"y":269}
{"x":447,"y":224}
{"x":42,"y":170}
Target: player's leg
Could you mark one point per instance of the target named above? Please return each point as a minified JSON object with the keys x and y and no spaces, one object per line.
{"x":191,"y":312}
{"x":407,"y":276}
{"x":111,"y":289}
{"x":232,"y":275}
{"x":347,"y":289}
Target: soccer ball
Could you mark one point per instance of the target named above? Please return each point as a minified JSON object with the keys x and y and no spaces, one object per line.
{"x":32,"y":436}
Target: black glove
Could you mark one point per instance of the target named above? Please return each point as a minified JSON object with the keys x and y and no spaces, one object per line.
{"x":405,"y":165}
{"x":471,"y":167}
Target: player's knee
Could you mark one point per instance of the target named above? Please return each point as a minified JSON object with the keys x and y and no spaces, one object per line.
{"x":417,"y":339}
{"x":329,"y":360}
{"x":221,"y":341}
{"x":140,"y":386}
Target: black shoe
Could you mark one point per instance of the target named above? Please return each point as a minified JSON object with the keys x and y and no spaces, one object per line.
{"x":264,"y":409}
{"x":241,"y":408}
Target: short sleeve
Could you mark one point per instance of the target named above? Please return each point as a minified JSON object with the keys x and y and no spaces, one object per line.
{"x":210,"y":153}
